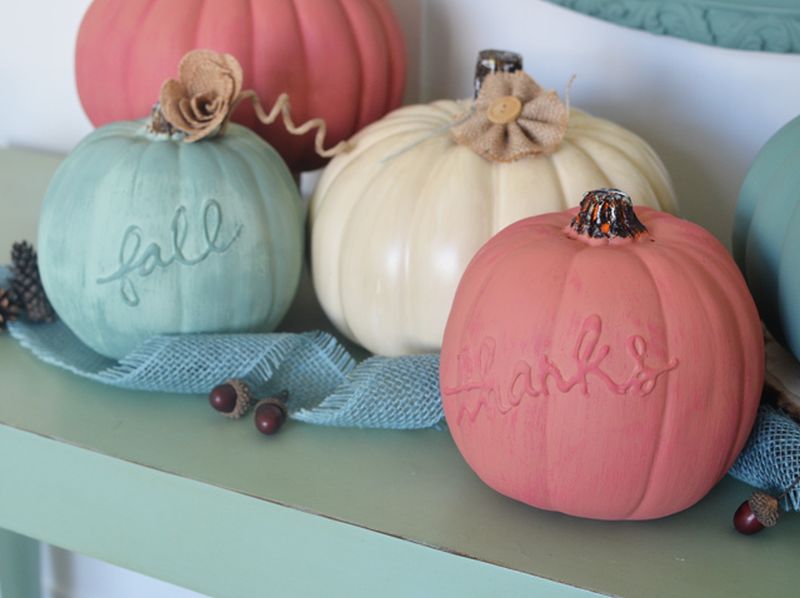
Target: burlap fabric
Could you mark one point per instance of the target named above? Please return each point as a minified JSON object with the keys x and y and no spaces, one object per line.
{"x":202,"y":98}
{"x":513,"y":117}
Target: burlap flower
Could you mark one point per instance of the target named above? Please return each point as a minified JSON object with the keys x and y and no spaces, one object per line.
{"x":200,"y":101}
{"x":512,"y":118}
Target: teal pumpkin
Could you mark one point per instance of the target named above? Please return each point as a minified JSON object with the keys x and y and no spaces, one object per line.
{"x":766,"y":242}
{"x":143,"y":234}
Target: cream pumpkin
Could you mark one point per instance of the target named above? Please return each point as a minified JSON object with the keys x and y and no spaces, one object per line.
{"x":395,"y":221}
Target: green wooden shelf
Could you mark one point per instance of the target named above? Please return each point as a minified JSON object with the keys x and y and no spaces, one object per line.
{"x":161,"y":484}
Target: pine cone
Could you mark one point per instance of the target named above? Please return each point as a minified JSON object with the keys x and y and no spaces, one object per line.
{"x":26,"y":284}
{"x":8,"y":309}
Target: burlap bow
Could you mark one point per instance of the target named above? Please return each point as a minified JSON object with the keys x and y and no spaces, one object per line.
{"x":512,"y":118}
{"x":200,"y":101}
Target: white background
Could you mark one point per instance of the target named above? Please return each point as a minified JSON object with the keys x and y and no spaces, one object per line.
{"x":706,"y":111}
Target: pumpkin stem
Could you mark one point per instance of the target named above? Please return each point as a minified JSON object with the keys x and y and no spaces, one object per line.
{"x":606,"y":214}
{"x":158,"y":125}
{"x":495,"y":61}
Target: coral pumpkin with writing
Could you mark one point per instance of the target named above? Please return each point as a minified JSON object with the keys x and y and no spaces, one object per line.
{"x":341,"y":60}
{"x":143,"y":232}
{"x":395,"y":221}
{"x":602,"y":365}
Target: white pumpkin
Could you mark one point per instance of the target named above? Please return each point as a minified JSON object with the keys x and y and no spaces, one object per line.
{"x":395,"y":221}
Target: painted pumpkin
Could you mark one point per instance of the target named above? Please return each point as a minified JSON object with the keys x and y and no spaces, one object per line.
{"x":170,"y":226}
{"x":601,"y":365}
{"x":765,"y":240}
{"x":395,"y":221}
{"x":343,"y":61}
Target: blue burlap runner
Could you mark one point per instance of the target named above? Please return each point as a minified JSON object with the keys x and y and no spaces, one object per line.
{"x":326,"y":385}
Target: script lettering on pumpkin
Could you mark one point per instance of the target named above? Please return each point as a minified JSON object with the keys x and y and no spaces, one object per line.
{"x":138,"y":260}
{"x":476,"y":372}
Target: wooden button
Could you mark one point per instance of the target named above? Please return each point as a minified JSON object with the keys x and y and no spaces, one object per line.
{"x":504,"y":110}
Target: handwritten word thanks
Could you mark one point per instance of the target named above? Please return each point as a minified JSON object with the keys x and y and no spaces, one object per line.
{"x":476,"y":372}
{"x":136,"y":259}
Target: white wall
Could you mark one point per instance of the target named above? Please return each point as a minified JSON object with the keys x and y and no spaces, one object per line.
{"x":706,"y":110}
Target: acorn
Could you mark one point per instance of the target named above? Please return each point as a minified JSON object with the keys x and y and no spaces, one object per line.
{"x":270,"y":413}
{"x":756,"y":513}
{"x":232,"y":398}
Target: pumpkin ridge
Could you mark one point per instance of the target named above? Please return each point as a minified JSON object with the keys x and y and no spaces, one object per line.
{"x":699,"y":304}
{"x":345,"y":234}
{"x":253,"y":142}
{"x":195,"y":31}
{"x":748,"y":200}
{"x":407,"y":122}
{"x":366,"y":145}
{"x":787,"y":261}
{"x":766,"y":288}
{"x":338,"y":166}
{"x":712,"y":300}
{"x":251,"y":52}
{"x":741,"y":433}
{"x":139,"y":148}
{"x":264,"y":207}
{"x":712,"y":274}
{"x":779,"y":229}
{"x":437,"y":113}
{"x":621,"y":154}
{"x":573,"y":143}
{"x":762,"y":169}
{"x":353,"y":41}
{"x":408,"y":117}
{"x":127,"y":57}
{"x":301,"y":111}
{"x":395,"y":47}
{"x":422,"y":201}
{"x":550,"y":470}
{"x":555,"y":166}
{"x":522,"y":244}
{"x":636,"y":252}
{"x":357,"y":116}
{"x":428,"y":132}
{"x":681,"y":239}
{"x":663,"y":195}
{"x":496,"y":186}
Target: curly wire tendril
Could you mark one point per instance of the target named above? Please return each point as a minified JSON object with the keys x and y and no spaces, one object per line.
{"x":208,"y":91}
{"x":282,"y":108}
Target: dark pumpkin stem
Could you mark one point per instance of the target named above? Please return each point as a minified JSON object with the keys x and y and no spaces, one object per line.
{"x":495,"y":61}
{"x":607,"y":214}
{"x":158,"y":124}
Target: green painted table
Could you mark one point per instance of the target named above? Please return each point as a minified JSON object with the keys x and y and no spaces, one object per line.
{"x":161,"y":484}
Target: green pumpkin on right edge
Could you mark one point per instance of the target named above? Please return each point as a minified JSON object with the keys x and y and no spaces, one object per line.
{"x":766,"y":234}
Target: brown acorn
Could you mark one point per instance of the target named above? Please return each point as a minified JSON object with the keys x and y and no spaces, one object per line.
{"x":232,"y":398}
{"x":756,"y":513}
{"x":270,"y":413}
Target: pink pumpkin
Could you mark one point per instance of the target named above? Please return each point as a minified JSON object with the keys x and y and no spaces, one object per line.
{"x":342,"y":60}
{"x":601,"y":366}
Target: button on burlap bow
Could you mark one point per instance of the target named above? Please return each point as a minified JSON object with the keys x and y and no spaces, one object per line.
{"x":512,"y":118}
